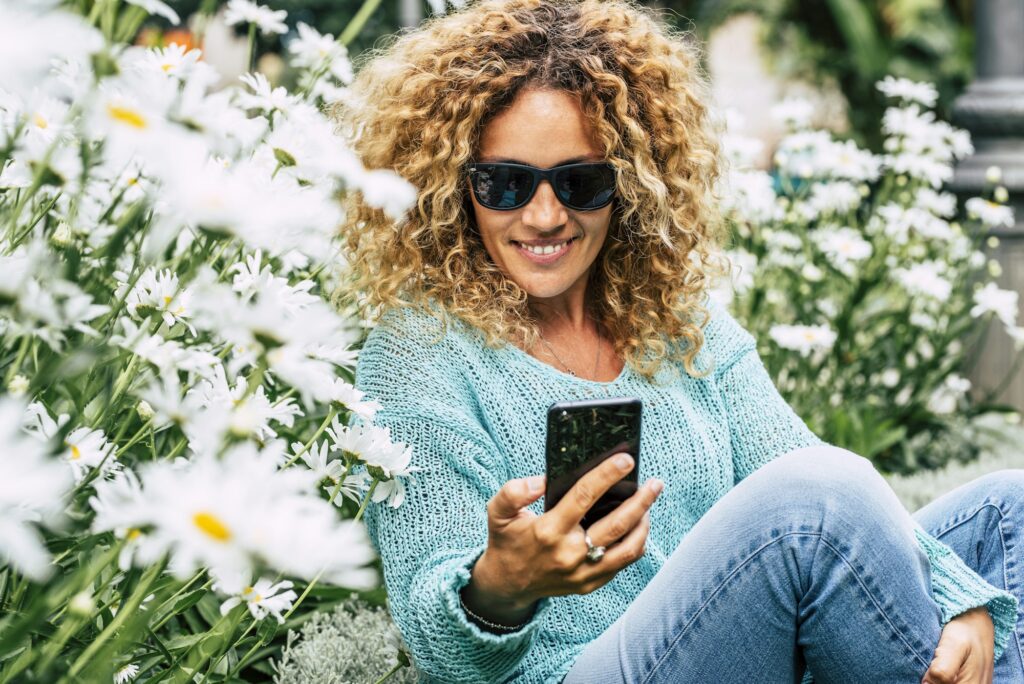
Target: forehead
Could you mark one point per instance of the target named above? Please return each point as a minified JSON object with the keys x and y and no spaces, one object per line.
{"x":542,"y":128}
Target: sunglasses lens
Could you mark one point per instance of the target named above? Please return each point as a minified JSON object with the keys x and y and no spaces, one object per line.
{"x":501,"y":187}
{"x":586,"y":187}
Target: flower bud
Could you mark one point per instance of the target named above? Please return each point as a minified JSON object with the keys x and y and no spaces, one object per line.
{"x":81,"y":604}
{"x":18,"y":385}
{"x":144,"y":410}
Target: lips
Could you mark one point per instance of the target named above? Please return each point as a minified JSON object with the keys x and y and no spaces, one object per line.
{"x":545,"y":253}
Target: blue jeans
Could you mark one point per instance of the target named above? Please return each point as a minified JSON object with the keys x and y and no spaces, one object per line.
{"x":811,"y":562}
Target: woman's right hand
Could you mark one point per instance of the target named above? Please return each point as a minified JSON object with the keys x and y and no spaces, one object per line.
{"x":531,"y":556}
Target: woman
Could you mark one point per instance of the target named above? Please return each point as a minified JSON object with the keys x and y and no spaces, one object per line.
{"x":562,"y":247}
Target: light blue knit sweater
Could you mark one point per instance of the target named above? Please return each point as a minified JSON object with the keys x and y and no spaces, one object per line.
{"x":476,"y":418}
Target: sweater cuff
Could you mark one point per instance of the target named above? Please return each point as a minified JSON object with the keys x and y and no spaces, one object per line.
{"x":504,"y":651}
{"x":956,"y":589}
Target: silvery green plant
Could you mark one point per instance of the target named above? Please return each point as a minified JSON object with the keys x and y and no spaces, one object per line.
{"x":180,"y":481}
{"x":865,"y":283}
{"x":352,"y":644}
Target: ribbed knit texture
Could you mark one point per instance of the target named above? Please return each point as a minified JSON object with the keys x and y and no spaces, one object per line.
{"x":476,"y":418}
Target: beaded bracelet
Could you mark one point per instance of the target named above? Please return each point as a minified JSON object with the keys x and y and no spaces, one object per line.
{"x":486,"y":621}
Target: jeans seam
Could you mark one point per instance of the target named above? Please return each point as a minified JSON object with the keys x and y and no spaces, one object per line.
{"x":822,"y":539}
{"x":1006,"y":555}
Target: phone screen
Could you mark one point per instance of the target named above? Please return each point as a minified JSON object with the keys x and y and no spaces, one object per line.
{"x":582,"y":434}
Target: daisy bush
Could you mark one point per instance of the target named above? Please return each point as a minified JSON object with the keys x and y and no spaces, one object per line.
{"x":866,"y":283}
{"x":181,"y":478}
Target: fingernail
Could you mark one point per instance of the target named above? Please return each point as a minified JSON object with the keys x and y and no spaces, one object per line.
{"x":624,"y":461}
{"x":535,"y":483}
{"x":655,"y":485}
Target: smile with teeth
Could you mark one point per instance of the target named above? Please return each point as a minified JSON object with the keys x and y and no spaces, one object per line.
{"x":545,"y":250}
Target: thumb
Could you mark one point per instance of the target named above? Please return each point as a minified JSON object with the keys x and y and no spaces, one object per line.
{"x":516,"y":494}
{"x":946,"y":663}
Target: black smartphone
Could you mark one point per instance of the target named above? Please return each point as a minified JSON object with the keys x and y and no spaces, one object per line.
{"x":582,"y":434}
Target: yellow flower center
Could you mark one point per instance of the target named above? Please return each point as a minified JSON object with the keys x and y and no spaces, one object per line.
{"x":212,"y":526}
{"x":133,"y":534}
{"x":76,"y":453}
{"x":166,"y":66}
{"x":250,"y":595}
{"x":126,"y":116}
{"x":39,"y":121}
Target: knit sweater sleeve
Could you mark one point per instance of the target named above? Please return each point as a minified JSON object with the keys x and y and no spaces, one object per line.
{"x":763,"y":426}
{"x":429,"y":543}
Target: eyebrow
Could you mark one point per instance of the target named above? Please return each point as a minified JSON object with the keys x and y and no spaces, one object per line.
{"x":510,"y":160}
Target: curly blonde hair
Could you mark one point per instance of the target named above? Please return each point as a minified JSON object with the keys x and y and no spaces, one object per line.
{"x":418,"y":106}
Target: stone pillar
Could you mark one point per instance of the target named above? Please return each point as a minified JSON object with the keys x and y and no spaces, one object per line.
{"x":992,"y":109}
{"x":410,"y":12}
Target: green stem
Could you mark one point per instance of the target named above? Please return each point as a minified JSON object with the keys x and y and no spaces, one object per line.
{"x":387,"y":675}
{"x":127,"y":609}
{"x":358,"y":21}
{"x":319,"y":431}
{"x":251,"y":61}
{"x":369,"y":493}
{"x":16,"y":366}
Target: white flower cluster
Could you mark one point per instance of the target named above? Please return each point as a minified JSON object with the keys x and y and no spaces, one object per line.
{"x":859,"y":263}
{"x":168,"y":255}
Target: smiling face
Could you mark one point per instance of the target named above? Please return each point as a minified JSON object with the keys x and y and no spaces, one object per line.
{"x":542,"y":128}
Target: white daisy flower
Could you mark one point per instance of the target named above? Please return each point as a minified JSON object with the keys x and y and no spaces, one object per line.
{"x":313,"y":50}
{"x":262,"y":598}
{"x":794,"y":112}
{"x":173,"y":60}
{"x":245,"y":12}
{"x":33,"y":488}
{"x":992,"y":214}
{"x":229,"y":513}
{"x":31,"y":37}
{"x":1003,"y":303}
{"x":909,"y":91}
{"x":803,"y":338}
{"x":263,"y":97}
{"x":157,"y":291}
{"x":926,"y":279}
{"x":843,"y":246}
{"x":161,"y":9}
{"x":317,"y":459}
{"x":247,"y":415}
{"x":386,"y":190}
{"x":945,"y":398}
{"x":939,"y":203}
{"x":167,"y":355}
{"x":121,"y":507}
{"x":346,"y":394}
{"x":126,"y":673}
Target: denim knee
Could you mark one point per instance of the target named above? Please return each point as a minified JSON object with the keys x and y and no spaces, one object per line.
{"x":1005,"y":488}
{"x":829,"y":482}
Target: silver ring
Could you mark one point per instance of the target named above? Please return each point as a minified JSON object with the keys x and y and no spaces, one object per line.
{"x":594,"y":553}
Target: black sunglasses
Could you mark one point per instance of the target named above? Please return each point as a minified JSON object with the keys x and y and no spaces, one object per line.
{"x":503,"y":186}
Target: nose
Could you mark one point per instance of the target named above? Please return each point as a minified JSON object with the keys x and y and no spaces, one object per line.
{"x":544,"y":211}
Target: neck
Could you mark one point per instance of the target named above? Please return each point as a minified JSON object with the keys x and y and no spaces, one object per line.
{"x":564,"y":314}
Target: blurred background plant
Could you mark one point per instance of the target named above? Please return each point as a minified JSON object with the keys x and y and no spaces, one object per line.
{"x":865,"y":283}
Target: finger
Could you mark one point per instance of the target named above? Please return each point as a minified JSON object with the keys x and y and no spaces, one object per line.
{"x":571,"y":508}
{"x":513,"y":496}
{"x":628,"y":550}
{"x":613,"y":526}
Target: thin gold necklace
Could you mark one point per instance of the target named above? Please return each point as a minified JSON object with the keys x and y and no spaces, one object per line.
{"x":570,"y":371}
